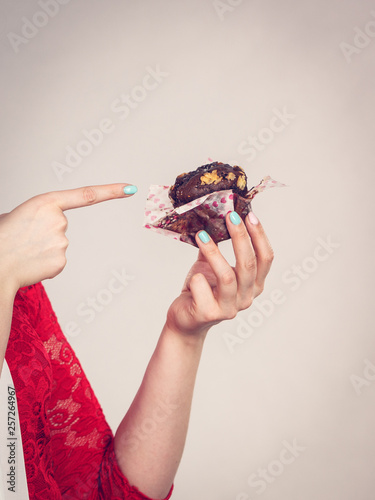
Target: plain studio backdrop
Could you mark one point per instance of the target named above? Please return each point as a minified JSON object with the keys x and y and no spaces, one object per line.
{"x":284,"y":403}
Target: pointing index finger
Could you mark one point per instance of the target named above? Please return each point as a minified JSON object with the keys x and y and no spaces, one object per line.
{"x":90,"y":195}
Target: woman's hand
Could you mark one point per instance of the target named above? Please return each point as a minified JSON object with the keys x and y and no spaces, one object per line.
{"x":32,"y":236}
{"x":215,"y":291}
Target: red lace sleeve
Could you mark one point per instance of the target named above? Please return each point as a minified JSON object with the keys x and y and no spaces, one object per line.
{"x":74,"y":434}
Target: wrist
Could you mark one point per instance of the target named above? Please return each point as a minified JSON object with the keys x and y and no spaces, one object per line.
{"x":193,"y":338}
{"x":8,"y":288}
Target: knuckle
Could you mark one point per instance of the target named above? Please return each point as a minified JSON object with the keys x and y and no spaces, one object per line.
{"x":270,"y":256}
{"x":192,"y":281}
{"x":63,"y":223}
{"x":198,"y":277}
{"x":250,"y":265}
{"x":210,"y":316}
{"x":65,"y":243}
{"x":89,"y":194}
{"x":231,"y":313}
{"x":41,"y":202}
{"x":228,"y":277}
{"x":43,"y":199}
{"x":242,"y":231}
{"x":61,"y":244}
{"x":60,"y":265}
{"x":246,"y":303}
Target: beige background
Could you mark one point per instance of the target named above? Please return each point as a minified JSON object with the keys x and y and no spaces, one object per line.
{"x":227,"y":70}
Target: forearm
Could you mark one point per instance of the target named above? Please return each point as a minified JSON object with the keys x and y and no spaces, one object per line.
{"x":6,"y":312}
{"x":150,"y":439}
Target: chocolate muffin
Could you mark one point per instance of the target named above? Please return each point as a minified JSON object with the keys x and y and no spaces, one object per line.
{"x":201,"y":217}
{"x":207,"y":179}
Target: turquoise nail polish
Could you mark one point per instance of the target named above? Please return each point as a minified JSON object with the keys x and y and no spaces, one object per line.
{"x":130,"y":189}
{"x":235,"y":218}
{"x":203,"y":236}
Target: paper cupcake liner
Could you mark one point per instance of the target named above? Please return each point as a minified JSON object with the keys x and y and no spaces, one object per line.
{"x":205,"y":213}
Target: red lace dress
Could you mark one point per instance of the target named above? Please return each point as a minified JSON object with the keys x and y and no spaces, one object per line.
{"x":68,"y":445}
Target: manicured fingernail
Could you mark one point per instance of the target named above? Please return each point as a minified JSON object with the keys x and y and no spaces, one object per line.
{"x":203,"y":236}
{"x":130,"y":189}
{"x":235,"y":218}
{"x":252,"y":218}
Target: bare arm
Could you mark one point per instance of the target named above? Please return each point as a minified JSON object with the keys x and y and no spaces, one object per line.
{"x":150,"y":439}
{"x":8,"y":290}
{"x":6,"y":309}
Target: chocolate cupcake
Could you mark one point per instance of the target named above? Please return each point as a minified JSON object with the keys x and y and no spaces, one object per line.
{"x":201,"y":199}
{"x":206,"y":180}
{"x":211,"y":179}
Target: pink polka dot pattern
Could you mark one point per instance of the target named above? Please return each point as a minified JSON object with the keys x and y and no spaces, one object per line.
{"x":158,"y":204}
{"x":266,"y":183}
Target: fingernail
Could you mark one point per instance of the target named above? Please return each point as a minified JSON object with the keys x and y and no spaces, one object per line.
{"x":252,"y":218}
{"x":235,"y":218}
{"x":130,"y":189}
{"x":203,"y":236}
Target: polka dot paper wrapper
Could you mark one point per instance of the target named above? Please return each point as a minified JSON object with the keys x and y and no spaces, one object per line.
{"x":207,"y":212}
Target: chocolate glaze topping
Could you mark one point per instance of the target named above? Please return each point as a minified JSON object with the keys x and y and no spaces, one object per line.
{"x":206,"y":179}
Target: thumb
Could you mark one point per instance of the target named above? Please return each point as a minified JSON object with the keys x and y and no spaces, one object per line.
{"x":90,"y":195}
